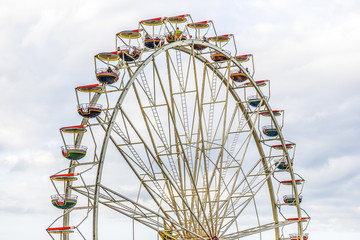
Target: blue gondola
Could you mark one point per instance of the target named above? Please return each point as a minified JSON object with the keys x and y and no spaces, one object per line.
{"x":270,"y":131}
{"x":290,"y":199}
{"x":255,"y":101}
{"x":283,"y":165}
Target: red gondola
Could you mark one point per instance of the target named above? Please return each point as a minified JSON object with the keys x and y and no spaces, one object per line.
{"x":61,"y":230}
{"x":65,"y":177}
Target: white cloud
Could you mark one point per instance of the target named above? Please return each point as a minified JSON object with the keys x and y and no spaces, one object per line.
{"x":336,"y":169}
{"x":46,"y":25}
{"x":308,"y":49}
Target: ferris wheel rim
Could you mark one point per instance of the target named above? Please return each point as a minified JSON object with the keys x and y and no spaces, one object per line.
{"x":174,"y":45}
{"x":189,"y":128}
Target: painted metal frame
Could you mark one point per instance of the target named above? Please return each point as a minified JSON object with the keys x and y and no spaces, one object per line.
{"x":118,"y":202}
{"x":181,"y":46}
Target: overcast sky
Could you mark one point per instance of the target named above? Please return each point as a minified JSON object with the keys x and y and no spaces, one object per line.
{"x":308,"y":49}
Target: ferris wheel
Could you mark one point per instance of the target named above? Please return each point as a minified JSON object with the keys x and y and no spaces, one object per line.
{"x":179,"y":137}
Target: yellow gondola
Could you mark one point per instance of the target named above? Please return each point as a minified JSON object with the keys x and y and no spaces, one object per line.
{"x":177,"y":19}
{"x":153,"y":22}
{"x":129,"y":34}
{"x":108,"y":56}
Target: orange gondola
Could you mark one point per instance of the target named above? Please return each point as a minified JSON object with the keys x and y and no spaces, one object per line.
{"x":238,"y":76}
{"x":198,"y":26}
{"x":219,"y":57}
